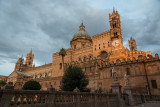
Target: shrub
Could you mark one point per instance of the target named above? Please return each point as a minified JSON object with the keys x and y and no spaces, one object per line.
{"x":99,"y":90}
{"x":12,"y":103}
{"x":74,"y":77}
{"x":31,"y":85}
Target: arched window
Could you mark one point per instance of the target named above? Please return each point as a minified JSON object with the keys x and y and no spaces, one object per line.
{"x":83,"y":45}
{"x":110,"y":73}
{"x":90,"y":57}
{"x":103,"y":45}
{"x":60,"y":66}
{"x":46,"y":75}
{"x":85,"y":69}
{"x":128,"y":71}
{"x":35,"y":76}
{"x":40,"y":76}
{"x":84,"y":59}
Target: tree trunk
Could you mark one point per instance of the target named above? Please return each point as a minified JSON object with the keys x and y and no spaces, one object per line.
{"x":63,"y":63}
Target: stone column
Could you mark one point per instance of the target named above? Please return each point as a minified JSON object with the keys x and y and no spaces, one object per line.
{"x":128,"y":90}
{"x":51,"y":97}
{"x":77,"y":97}
{"x":93,"y":99}
{"x":7,"y":94}
{"x":116,"y":89}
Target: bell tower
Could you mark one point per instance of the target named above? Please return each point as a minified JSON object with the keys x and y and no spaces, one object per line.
{"x":115,"y":31}
{"x":29,"y":59}
{"x":115,"y":25}
{"x":19,"y":65}
{"x":132,"y":44}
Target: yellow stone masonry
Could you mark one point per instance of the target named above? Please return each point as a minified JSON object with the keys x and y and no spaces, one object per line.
{"x":97,"y":56}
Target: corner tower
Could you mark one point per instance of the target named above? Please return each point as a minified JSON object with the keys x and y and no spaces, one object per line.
{"x":29,"y":59}
{"x":132,"y":44}
{"x":19,"y":65}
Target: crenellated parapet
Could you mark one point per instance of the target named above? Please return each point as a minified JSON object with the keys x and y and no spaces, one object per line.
{"x":102,"y":63}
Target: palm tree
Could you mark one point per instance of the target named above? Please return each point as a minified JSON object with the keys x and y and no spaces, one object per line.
{"x":63,"y":54}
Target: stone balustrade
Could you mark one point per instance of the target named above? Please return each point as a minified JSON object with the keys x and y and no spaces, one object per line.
{"x":51,"y":98}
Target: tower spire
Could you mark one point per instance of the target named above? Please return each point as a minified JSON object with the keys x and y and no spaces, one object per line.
{"x":113,"y":10}
{"x":82,"y":27}
{"x":30,"y":51}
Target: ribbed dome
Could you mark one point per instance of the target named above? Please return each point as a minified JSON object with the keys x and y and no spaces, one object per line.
{"x":81,"y":33}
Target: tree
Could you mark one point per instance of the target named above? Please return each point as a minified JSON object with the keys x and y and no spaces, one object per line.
{"x":2,"y":83}
{"x":31,"y":85}
{"x":74,"y":77}
{"x":63,"y":54}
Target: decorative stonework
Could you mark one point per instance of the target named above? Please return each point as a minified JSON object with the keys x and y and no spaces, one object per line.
{"x":97,"y":66}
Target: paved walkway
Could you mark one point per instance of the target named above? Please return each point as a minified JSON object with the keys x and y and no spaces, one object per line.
{"x":147,"y":105}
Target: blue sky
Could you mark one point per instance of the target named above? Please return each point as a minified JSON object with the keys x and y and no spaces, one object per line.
{"x":48,"y":25}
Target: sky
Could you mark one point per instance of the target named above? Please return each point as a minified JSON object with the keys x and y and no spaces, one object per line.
{"x":46,"y":26}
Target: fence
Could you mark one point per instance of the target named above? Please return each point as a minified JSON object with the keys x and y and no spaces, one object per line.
{"x":146,"y":98}
{"x":51,"y":98}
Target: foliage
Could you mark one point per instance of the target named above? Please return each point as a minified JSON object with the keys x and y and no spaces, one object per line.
{"x":110,"y":91}
{"x":86,"y":90}
{"x":29,"y":102}
{"x":74,"y":77}
{"x":35,"y":102}
{"x":62,"y":52}
{"x":12,"y":103}
{"x":24,"y":102}
{"x":31,"y":85}
{"x":18,"y":103}
{"x":99,"y":90}
{"x":2,"y":83}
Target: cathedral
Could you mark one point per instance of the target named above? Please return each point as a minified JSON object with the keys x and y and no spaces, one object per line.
{"x":97,"y":55}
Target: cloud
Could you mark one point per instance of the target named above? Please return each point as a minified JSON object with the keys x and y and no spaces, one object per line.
{"x":48,"y":25}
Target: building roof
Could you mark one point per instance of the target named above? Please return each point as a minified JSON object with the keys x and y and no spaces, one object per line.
{"x":22,"y":73}
{"x":81,"y":33}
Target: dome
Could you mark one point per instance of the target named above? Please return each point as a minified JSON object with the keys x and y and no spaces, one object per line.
{"x":81,"y":33}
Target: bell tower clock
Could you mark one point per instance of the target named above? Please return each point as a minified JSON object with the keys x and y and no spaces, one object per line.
{"x":115,"y":31}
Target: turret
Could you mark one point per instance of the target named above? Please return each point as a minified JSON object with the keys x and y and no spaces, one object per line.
{"x":19,"y":64}
{"x":29,"y":59}
{"x":132,"y":44}
{"x":115,"y":25}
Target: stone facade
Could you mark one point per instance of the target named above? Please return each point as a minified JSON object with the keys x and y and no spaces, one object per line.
{"x":4,"y":78}
{"x":97,"y":56}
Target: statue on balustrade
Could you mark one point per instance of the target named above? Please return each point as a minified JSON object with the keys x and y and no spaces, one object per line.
{"x":126,"y":79}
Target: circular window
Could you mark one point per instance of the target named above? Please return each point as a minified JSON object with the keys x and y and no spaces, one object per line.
{"x":104,"y":55}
